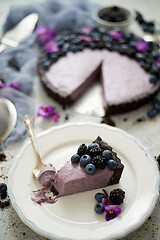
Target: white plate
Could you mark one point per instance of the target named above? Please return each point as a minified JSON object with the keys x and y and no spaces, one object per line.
{"x":73,"y":217}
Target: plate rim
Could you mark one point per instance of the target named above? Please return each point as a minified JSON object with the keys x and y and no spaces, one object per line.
{"x":43,"y":233}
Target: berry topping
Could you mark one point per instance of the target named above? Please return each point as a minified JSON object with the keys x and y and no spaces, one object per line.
{"x":92,"y":145}
{"x":99,"y":197}
{"x":85,"y":159}
{"x":90,"y":168}
{"x":75,"y":158}
{"x":112,"y":164}
{"x":152,"y":113}
{"x":99,"y":162}
{"x":107,"y":154}
{"x":3,"y":189}
{"x":99,"y":208}
{"x":82,"y":149}
{"x":153,"y":79}
{"x":117,"y":196}
{"x":95,"y":151}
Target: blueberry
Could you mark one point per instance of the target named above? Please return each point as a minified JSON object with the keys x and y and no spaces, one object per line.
{"x":155,"y":54}
{"x":74,"y":48}
{"x":107,"y":154}
{"x":107,"y":39}
{"x":46,"y":64}
{"x":140,"y":56}
{"x":92,"y":145}
{"x":152,"y":113}
{"x":90,"y":169}
{"x":85,"y":159}
{"x":99,"y":208}
{"x":153,"y":79}
{"x":3,"y":188}
{"x":154,"y":70}
{"x":157,"y":107}
{"x":75,"y":158}
{"x":99,"y":197}
{"x":112,"y":164}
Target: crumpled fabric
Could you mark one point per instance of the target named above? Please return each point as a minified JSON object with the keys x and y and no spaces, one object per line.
{"x":60,"y":16}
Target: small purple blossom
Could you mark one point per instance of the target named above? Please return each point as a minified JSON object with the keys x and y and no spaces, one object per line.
{"x":16,"y":85}
{"x":86,"y":29}
{"x":115,"y":34}
{"x":51,"y":47}
{"x":44,"y":34}
{"x":55,"y":117}
{"x":157,"y":62}
{"x":85,"y":38}
{"x":2,"y":85}
{"x":112,"y":211}
{"x":141,"y":46}
{"x":48,"y":111}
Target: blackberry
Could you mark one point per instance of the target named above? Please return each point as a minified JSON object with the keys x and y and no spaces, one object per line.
{"x":96,"y":151}
{"x":117,"y":196}
{"x":99,"y":162}
{"x":82,"y":149}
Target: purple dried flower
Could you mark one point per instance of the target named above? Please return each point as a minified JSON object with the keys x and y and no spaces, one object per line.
{"x":2,"y":85}
{"x":85,"y":38}
{"x":112,"y":211}
{"x":46,"y":111}
{"x":45,"y":34}
{"x":141,"y":46}
{"x":16,"y":85}
{"x":56,"y":117}
{"x":51,"y":47}
{"x":115,"y":34}
{"x":86,"y":29}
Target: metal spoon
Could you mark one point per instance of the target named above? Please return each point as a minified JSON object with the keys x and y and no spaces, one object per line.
{"x":8,"y":119}
{"x":40,"y":165}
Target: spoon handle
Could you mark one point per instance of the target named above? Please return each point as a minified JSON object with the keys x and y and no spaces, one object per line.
{"x":28,"y":123}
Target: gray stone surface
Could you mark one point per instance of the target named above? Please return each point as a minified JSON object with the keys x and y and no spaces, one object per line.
{"x":147,"y":131}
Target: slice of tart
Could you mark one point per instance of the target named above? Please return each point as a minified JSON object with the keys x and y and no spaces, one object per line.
{"x":95,"y":166}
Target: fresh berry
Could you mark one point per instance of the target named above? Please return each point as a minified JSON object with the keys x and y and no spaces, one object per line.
{"x":99,"y":162}
{"x":92,"y":145}
{"x":112,"y":164}
{"x":99,"y":208}
{"x":117,"y":196}
{"x":107,"y":154}
{"x":153,"y":79}
{"x":156,"y":105}
{"x":90,"y":169}
{"x":99,"y":197}
{"x":82,"y":149}
{"x":152,"y":113}
{"x":3,"y":189}
{"x":85,"y":159}
{"x":95,"y":151}
{"x":75,"y":158}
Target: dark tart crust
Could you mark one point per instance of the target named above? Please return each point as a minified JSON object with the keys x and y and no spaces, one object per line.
{"x":118,"y":172}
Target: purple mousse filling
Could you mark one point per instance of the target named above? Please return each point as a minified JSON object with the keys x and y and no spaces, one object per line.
{"x":47,"y":175}
{"x":43,"y":196}
{"x":73,"y":74}
{"x":72,"y":178}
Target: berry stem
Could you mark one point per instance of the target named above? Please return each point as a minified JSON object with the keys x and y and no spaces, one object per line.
{"x":107,"y":197}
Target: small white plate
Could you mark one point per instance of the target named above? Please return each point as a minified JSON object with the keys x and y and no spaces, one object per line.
{"x":73,"y":217}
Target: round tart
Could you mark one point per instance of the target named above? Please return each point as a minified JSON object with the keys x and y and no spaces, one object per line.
{"x":127,"y":68}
